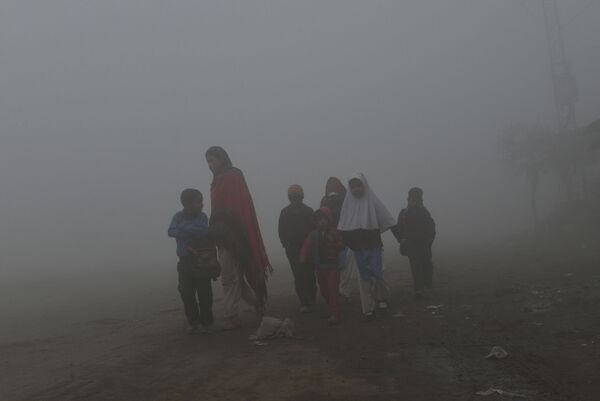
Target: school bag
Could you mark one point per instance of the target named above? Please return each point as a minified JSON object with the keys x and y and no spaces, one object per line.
{"x":204,"y":262}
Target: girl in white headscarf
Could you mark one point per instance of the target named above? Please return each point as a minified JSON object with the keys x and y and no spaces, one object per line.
{"x":363,"y":219}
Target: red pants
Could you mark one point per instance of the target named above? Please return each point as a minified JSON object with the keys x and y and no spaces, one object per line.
{"x":328,"y":284}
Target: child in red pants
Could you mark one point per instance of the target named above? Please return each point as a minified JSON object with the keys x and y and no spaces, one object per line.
{"x":322,"y":247}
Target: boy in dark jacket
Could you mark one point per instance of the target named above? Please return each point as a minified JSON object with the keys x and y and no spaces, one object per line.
{"x":187,"y":226}
{"x":416,"y":233}
{"x":322,"y":247}
{"x":295,"y":223}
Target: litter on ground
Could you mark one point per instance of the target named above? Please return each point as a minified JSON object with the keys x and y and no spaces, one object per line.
{"x":497,"y":353}
{"x":492,"y":391}
{"x":271,"y":327}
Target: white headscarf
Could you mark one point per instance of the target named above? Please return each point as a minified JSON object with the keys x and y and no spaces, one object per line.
{"x":367,"y":212}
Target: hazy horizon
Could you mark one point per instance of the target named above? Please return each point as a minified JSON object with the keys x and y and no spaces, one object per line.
{"x":108,"y":107}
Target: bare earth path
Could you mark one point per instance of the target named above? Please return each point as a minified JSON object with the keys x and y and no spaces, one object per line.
{"x":542,"y":310}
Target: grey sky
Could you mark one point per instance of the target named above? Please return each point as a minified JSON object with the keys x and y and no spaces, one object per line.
{"x":107,"y":107}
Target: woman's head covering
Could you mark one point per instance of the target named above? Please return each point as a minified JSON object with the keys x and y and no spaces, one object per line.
{"x":366,"y":212}
{"x":221,"y":154}
{"x":334,"y":186}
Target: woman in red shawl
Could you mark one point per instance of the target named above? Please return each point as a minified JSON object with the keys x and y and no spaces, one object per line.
{"x":335,"y":193}
{"x":235,"y":229}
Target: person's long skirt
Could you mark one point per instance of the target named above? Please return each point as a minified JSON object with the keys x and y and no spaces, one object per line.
{"x":234,"y":285}
{"x":373,"y":289}
{"x":347,"y":273}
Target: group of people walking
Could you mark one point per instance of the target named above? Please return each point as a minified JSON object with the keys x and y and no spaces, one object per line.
{"x":325,"y":248}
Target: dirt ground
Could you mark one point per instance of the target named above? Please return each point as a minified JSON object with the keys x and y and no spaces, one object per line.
{"x":537,"y":304}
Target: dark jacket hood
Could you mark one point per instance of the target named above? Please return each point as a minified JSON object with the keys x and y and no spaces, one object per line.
{"x":334,"y":185}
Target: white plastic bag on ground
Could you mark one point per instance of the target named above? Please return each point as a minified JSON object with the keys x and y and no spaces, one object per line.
{"x":273,"y":327}
{"x":497,"y":353}
{"x":492,"y":391}
{"x":286,"y":329}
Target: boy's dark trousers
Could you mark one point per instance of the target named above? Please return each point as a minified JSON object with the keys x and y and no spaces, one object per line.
{"x":196,"y":294}
{"x":304,"y":278}
{"x":421,"y":266}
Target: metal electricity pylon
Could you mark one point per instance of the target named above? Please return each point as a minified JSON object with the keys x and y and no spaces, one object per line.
{"x":565,"y":89}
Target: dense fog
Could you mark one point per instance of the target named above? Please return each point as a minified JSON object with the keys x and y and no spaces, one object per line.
{"x":107,"y":109}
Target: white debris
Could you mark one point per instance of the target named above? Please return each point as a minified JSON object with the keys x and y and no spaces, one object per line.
{"x":492,"y":391}
{"x":286,"y":329}
{"x":497,"y":353}
{"x":272,"y":327}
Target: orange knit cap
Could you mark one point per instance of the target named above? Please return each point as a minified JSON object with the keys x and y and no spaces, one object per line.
{"x":295,"y":189}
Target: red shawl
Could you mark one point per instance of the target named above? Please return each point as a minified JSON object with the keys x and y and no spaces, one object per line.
{"x":229,"y":191}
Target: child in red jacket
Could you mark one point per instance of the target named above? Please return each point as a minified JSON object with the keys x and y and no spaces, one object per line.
{"x":323,"y":247}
